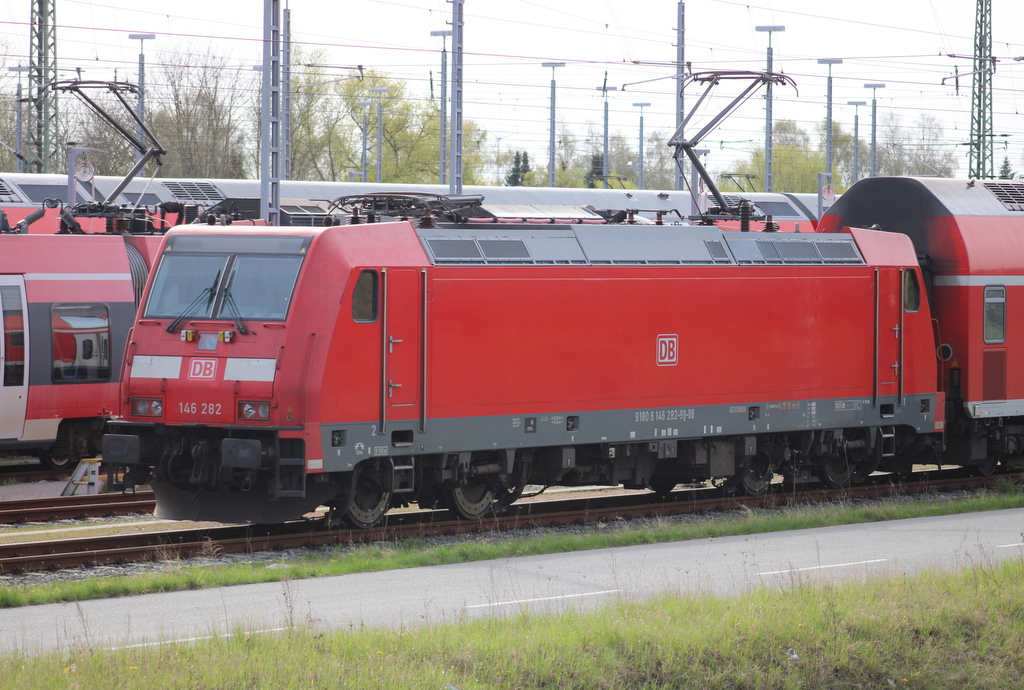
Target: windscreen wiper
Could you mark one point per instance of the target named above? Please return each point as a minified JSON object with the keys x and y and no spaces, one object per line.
{"x":207,"y":292}
{"x":236,"y":315}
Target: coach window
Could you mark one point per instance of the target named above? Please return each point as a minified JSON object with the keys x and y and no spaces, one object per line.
{"x":364,"y":298}
{"x":81,"y":343}
{"x":995,"y":314}
{"x":14,"y":336}
{"x":911,"y":292}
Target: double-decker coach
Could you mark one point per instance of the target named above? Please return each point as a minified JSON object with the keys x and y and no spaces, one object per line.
{"x":68,"y":302}
{"x":969,"y":239}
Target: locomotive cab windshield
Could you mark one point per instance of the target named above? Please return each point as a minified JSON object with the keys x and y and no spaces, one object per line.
{"x":235,"y":277}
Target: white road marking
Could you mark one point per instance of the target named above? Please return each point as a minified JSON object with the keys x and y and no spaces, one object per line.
{"x":530,"y":601}
{"x":1010,"y":546}
{"x":823,"y":567}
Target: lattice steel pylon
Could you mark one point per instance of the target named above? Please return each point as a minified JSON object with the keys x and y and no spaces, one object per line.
{"x":980,"y":160}
{"x":42,"y":112}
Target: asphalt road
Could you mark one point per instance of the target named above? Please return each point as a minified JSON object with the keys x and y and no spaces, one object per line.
{"x":422,"y":596}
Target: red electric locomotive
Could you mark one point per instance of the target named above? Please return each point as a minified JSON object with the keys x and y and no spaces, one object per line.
{"x":451,"y":361}
{"x":68,"y":302}
{"x":969,"y":240}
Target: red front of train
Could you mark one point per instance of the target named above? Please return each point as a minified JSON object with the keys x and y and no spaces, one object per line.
{"x":363,"y":366}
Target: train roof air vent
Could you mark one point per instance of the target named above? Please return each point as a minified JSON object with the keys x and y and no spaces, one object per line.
{"x":6,"y":193}
{"x":837,"y":252}
{"x":1010,"y":193}
{"x":454,"y":250}
{"x":196,"y":192}
{"x":797,"y":251}
{"x":769,"y":252}
{"x":504,"y":250}
{"x":717,"y":250}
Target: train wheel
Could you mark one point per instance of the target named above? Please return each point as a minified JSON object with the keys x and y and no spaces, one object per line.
{"x":47,"y":460}
{"x":662,"y":485}
{"x":753,"y":480}
{"x":835,"y":471}
{"x":987,"y":467}
{"x":370,"y":501}
{"x":471,"y":501}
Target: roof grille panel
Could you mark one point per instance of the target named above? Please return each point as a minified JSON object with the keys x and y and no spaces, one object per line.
{"x":799,"y":251}
{"x":196,"y":192}
{"x":6,"y":193}
{"x":769,"y":252}
{"x":454,"y":250}
{"x":838,"y":252}
{"x":504,"y":250}
{"x":1010,"y":193}
{"x":717,"y":250}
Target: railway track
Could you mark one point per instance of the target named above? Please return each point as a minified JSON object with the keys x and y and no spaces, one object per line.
{"x":19,"y":474}
{"x":121,"y":549}
{"x":75,"y":507}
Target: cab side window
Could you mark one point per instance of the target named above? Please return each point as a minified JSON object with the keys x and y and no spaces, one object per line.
{"x":364,"y":298}
{"x":911,"y":292}
{"x":995,"y":314}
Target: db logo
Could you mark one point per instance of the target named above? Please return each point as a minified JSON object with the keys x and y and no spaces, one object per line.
{"x":202,"y":369}
{"x":668,"y":350}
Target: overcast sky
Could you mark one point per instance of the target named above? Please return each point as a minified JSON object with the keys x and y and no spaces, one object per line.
{"x":903,"y":43}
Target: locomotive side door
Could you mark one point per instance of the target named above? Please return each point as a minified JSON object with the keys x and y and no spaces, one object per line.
{"x":14,"y":349}
{"x":888,"y":333}
{"x":402,"y":376}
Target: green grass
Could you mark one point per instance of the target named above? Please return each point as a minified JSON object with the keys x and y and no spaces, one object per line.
{"x":416,"y":552}
{"x":933,"y":631}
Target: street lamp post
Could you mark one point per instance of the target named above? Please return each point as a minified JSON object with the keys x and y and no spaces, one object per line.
{"x":381,"y":90}
{"x":551,"y":143}
{"x":856,"y":137}
{"x":365,"y":126}
{"x":828,"y":112}
{"x":874,"y":112}
{"x":640,"y":159}
{"x":443,"y":33}
{"x":18,"y":119}
{"x":604,"y":163}
{"x":768,"y":109}
{"x":140,"y":105}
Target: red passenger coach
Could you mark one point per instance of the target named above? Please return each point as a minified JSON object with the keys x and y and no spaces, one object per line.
{"x":451,"y":362}
{"x":969,"y":239}
{"x":68,"y":302}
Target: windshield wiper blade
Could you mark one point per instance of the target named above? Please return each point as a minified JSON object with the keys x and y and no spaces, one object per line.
{"x":236,"y":315}
{"x":209,"y":291}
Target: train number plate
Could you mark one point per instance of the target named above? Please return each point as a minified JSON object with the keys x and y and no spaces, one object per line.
{"x":199,"y":408}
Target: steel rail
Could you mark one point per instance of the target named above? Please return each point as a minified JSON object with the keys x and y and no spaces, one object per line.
{"x":16,"y":511}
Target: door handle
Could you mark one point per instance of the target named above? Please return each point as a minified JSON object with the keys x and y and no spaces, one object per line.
{"x":391,"y":343}
{"x":392,"y":386}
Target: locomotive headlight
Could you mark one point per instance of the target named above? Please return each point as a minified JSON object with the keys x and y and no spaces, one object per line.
{"x":147,"y":407}
{"x":255,"y":411}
